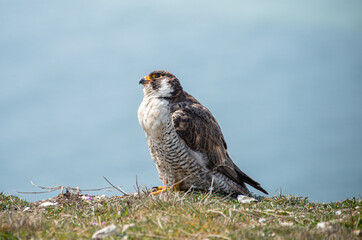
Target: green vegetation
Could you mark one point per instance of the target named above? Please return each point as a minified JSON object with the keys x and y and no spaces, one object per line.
{"x":176,"y":215}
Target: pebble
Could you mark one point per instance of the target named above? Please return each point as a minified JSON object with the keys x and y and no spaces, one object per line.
{"x":106,"y":232}
{"x":26,"y":209}
{"x":323,"y":225}
{"x":286,"y":224}
{"x":358,"y":233}
{"x":246,"y":199}
{"x":47,"y":204}
{"x":262,"y":220}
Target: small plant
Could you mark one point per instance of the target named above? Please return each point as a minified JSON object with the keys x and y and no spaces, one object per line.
{"x":177,"y":215}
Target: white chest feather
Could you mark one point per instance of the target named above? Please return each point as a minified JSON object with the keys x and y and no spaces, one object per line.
{"x":153,"y":115}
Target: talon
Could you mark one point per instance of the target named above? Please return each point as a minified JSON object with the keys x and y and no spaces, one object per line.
{"x":161,"y":189}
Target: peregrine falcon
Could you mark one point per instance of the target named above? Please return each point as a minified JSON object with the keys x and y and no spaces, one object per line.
{"x":185,"y":140}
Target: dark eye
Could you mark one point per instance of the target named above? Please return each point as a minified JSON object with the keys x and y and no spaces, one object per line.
{"x":156,"y":75}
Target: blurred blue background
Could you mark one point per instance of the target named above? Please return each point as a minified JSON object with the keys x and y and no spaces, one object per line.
{"x":283,"y":79}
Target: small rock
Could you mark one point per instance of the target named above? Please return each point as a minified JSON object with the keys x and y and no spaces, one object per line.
{"x":262,"y":220}
{"x":246,"y":199}
{"x":47,"y":204}
{"x":286,"y":224}
{"x":105,"y":232}
{"x":86,"y":197}
{"x":323,"y":225}
{"x":26,"y":209}
{"x":100,"y":197}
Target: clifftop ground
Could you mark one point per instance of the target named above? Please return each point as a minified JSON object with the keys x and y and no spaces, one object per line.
{"x":176,"y":215}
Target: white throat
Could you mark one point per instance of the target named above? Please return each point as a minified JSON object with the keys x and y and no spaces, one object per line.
{"x":165,"y":90}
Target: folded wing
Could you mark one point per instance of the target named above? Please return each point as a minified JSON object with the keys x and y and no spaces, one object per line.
{"x":199,"y":130}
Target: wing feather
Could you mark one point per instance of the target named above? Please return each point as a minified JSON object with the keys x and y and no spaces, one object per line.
{"x":200,"y":131}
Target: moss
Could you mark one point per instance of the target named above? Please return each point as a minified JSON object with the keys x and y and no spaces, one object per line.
{"x":176,"y":215}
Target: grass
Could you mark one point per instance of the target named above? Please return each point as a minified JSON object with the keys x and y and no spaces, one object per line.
{"x":176,"y":215}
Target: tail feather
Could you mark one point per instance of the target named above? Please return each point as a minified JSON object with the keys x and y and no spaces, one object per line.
{"x":242,"y":177}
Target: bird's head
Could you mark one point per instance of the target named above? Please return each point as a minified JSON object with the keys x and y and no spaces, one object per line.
{"x":161,"y":84}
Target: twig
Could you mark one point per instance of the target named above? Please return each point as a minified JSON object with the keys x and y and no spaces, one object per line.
{"x":17,"y":205}
{"x":56,"y":188}
{"x":187,"y":192}
{"x":226,"y":197}
{"x":97,"y":189}
{"x":209,"y":193}
{"x":76,"y":190}
{"x":37,"y":192}
{"x":51,"y":189}
{"x":218,"y":236}
{"x":219,"y":212}
{"x":118,"y":188}
{"x":138,"y":187}
{"x":357,"y":222}
{"x":177,"y":183}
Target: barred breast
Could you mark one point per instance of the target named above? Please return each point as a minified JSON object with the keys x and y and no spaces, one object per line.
{"x":176,"y":163}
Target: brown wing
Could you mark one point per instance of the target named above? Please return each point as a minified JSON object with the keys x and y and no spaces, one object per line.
{"x":198,"y":128}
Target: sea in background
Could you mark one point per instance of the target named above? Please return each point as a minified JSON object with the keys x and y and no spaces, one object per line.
{"x":283,"y":79}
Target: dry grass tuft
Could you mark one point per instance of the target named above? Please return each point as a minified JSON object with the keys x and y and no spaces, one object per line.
{"x":176,"y":215}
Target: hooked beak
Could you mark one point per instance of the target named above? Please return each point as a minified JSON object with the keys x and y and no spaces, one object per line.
{"x":145,"y":80}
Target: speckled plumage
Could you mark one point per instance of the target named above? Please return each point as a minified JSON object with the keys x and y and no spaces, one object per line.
{"x":185,"y":140}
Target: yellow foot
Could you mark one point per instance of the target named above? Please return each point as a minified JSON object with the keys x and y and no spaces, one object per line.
{"x":162,"y":189}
